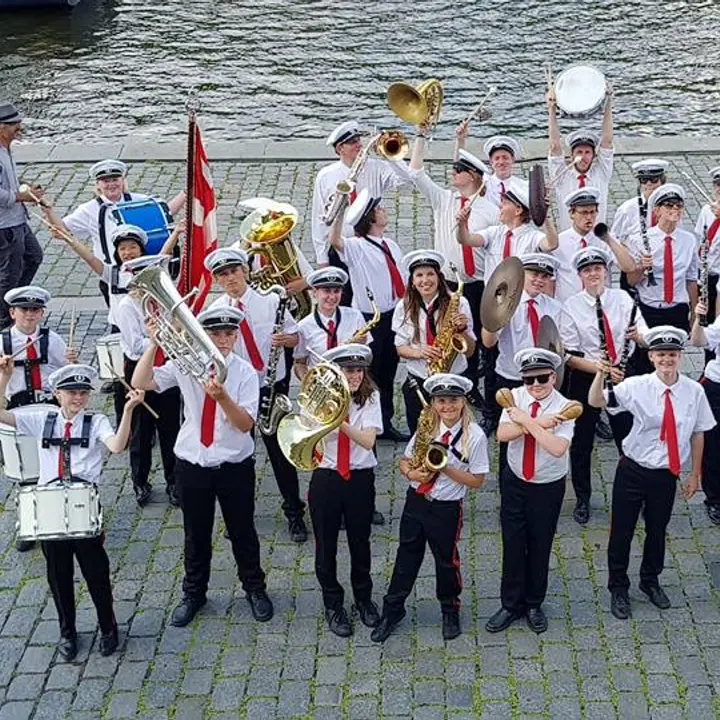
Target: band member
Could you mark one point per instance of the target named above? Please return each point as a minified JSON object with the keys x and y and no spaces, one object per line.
{"x":373,"y":263}
{"x":20,"y":252}
{"x":70,"y":448}
{"x":670,"y":416}
{"x":433,"y":511}
{"x":674,"y":261}
{"x":582,"y":205}
{"x":581,"y":337}
{"x":709,"y":222}
{"x":134,"y":341}
{"x":531,"y":489}
{"x":592,"y":156}
{"x":255,"y":343}
{"x":420,"y":321}
{"x":330,"y":324}
{"x":343,"y":486}
{"x":214,"y":450}
{"x":502,"y":152}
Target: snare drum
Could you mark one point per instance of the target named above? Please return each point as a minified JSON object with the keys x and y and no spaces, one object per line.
{"x":580,"y":90}
{"x":20,"y":452}
{"x":58,"y":511}
{"x":152,"y":215}
{"x":109,"y":352}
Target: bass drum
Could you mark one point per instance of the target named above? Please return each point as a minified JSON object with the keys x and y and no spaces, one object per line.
{"x":580,"y":90}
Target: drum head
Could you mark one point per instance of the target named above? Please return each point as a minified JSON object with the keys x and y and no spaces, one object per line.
{"x":580,"y":90}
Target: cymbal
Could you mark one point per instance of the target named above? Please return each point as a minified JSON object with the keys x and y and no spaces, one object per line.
{"x":536,"y":189}
{"x":548,"y":338}
{"x":502,"y":294}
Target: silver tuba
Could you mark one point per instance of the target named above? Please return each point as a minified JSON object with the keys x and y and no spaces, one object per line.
{"x":178,"y":333}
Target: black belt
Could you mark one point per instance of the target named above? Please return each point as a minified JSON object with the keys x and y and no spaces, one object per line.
{"x":428,"y":498}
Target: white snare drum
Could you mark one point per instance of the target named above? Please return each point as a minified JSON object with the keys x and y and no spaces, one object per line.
{"x":109,"y":352}
{"x":20,"y":452}
{"x":58,"y":511}
{"x":580,"y":90}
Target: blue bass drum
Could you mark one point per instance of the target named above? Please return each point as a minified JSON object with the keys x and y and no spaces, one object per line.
{"x":152,"y":215}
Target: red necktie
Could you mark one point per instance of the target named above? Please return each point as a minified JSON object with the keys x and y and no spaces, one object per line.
{"x":249,"y":340}
{"x":398,"y":286}
{"x":668,"y":435}
{"x":425,"y":488}
{"x":207,"y":421}
{"x":61,"y":456}
{"x":159,"y":359}
{"x":331,"y":336}
{"x":502,"y":190}
{"x":353,"y":195}
{"x":533,"y":319}
{"x":506,"y":248}
{"x":428,"y":324}
{"x":581,"y":181}
{"x":712,"y":231}
{"x":343,"y":453}
{"x":583,"y":243}
{"x":468,"y":258}
{"x":612,"y":353}
{"x":35,"y":377}
{"x":668,"y":273}
{"x":529,"y":448}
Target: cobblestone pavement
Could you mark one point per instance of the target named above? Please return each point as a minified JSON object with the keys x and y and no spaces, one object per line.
{"x":588,"y":665}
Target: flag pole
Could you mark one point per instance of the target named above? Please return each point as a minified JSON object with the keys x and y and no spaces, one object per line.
{"x":192,"y":107}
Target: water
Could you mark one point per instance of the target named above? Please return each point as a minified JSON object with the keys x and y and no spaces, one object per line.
{"x":273,"y":69}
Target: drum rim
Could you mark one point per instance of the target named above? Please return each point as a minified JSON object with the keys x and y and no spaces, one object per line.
{"x":558,"y":86}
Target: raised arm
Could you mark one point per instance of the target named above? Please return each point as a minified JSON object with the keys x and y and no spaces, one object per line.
{"x":553,"y":130}
{"x":606,"y":134}
{"x":84,"y":252}
{"x":461,"y":133}
{"x":118,"y":442}
{"x":418,"y":151}
{"x":335,"y":236}
{"x":551,"y":240}
{"x":596,"y":397}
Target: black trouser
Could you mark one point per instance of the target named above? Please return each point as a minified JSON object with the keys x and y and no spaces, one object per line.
{"x":712,"y":311}
{"x":491,"y":411}
{"x":335,"y":261}
{"x":473,"y":292}
{"x":501,"y":382}
{"x":435,"y":523}
{"x":711,"y":449}
{"x":583,"y":439}
{"x":634,"y":487}
{"x":233,"y":486}
{"x":20,"y":257}
{"x":331,"y":498}
{"x":528,"y":517}
{"x":95,"y":567}
{"x":384,"y":364}
{"x":678,"y":316}
{"x":413,"y":406}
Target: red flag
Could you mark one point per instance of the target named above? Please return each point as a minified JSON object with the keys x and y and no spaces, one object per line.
{"x":202,"y":223}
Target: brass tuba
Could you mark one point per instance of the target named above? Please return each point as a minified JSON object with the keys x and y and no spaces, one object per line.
{"x":324,"y":399}
{"x":419,"y":105}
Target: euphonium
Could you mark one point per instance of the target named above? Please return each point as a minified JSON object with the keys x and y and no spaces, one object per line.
{"x":450,"y":342}
{"x":324,"y":399}
{"x":178,"y":331}
{"x":419,"y":105}
{"x":427,"y":453}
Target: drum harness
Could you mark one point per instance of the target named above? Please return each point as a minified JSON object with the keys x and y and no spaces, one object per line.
{"x":104,"y":207}
{"x":66,"y":443}
{"x":27,"y":396}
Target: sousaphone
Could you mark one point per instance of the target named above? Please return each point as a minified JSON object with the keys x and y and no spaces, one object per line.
{"x":502,"y":294}
{"x":548,"y":338}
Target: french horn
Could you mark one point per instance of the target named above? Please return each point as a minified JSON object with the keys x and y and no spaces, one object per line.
{"x":419,"y":106}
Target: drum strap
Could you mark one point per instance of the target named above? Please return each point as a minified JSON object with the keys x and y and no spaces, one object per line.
{"x":102,"y":230}
{"x":83,"y":441}
{"x":115,"y":288}
{"x":27,"y":365}
{"x":453,"y":449}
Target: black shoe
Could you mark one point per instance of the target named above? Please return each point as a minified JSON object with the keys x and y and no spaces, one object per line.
{"x":501,"y":620}
{"x":67,"y":648}
{"x":107,"y":387}
{"x":581,"y":513}
{"x":383,"y":630}
{"x":476,"y":399}
{"x":536,"y":620}
{"x":260,"y":605}
{"x":393,"y":434}
{"x":620,"y":604}
{"x":451,"y":625}
{"x":656,"y":594}
{"x":173,"y":497}
{"x":187,"y":609}
{"x":368,"y":612}
{"x":109,"y":642}
{"x":603,"y":430}
{"x":713,"y":512}
{"x":338,"y":621}
{"x":298,"y":530}
{"x":377,"y":518}
{"x":24,"y":545}
{"x":142,"y":494}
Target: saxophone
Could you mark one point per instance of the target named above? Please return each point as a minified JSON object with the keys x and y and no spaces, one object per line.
{"x":450,"y":342}
{"x":427,"y":453}
{"x":371,"y":323}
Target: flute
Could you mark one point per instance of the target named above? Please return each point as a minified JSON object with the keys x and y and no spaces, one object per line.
{"x":607,"y":380}
{"x":642,"y":209}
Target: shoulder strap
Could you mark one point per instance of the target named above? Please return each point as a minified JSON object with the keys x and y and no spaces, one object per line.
{"x":44,"y":342}
{"x":7,"y":342}
{"x":48,"y":429}
{"x":453,"y":448}
{"x":385,"y":251}
{"x":102,"y":215}
{"x":127,"y":197}
{"x":86,"y":426}
{"x":115,"y":288}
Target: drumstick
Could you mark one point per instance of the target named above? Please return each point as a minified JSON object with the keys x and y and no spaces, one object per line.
{"x":480,"y":105}
{"x":25,"y":188}
{"x":130,"y":388}
{"x":24,"y":347}
{"x":71,"y":336}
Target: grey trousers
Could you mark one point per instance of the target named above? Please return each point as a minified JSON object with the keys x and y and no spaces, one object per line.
{"x":20,"y":257}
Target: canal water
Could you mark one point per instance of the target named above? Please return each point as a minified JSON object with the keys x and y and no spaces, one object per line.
{"x":276,"y":69}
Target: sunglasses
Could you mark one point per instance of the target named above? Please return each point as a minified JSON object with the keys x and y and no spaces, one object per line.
{"x":673,"y":205}
{"x":539,"y":379}
{"x":459,"y":168}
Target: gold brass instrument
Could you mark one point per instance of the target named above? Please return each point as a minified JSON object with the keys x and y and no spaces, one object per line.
{"x":502,"y":295}
{"x":371,"y":323}
{"x":419,"y":106}
{"x":178,"y":331}
{"x":324,"y":400}
{"x":428,"y":454}
{"x":451,"y":343}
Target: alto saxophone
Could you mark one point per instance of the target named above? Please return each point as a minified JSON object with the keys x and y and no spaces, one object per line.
{"x":451,"y":343}
{"x":371,"y":323}
{"x":428,"y":454}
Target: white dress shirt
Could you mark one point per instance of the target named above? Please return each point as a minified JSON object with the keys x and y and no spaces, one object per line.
{"x":378,"y":176}
{"x":229,"y":445}
{"x":131,"y":322}
{"x":626,"y":221}
{"x":517,"y":334}
{"x":685,"y":266}
{"x":85,"y":463}
{"x":707,"y":219}
{"x":405,"y":333}
{"x":712,"y":335}
{"x":260,"y":311}
{"x":495,"y":187}
{"x":368,"y":268}
{"x":363,"y":418}
{"x":547,"y":468}
{"x":525,"y":239}
{"x":598,"y":176}
{"x":55,"y":359}
{"x":579,"y":329}
{"x":567,"y":280}
{"x":123,"y":280}
{"x":644,"y":397}
{"x":445,"y":204}
{"x":475,"y":462}
{"x":311,"y":336}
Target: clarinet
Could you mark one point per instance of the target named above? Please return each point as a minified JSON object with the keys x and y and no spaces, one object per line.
{"x":625,"y":355}
{"x":607,"y":380}
{"x":704,"y":290}
{"x":642,"y":208}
